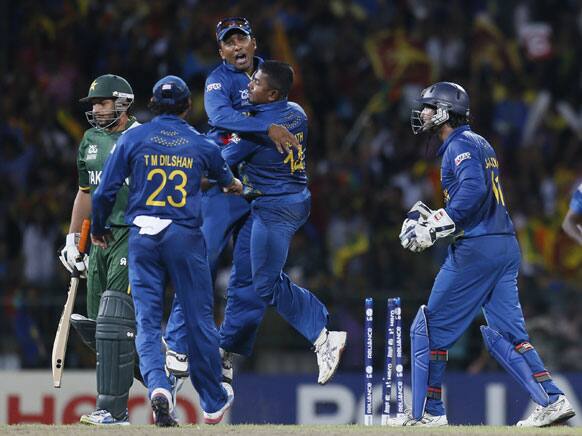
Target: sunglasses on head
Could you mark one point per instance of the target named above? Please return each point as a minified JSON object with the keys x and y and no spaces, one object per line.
{"x":233,"y":22}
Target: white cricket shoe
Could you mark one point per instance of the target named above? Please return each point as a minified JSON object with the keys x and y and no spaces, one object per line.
{"x":103,"y":418}
{"x":396,"y":421}
{"x":554,"y":413}
{"x":176,"y":363}
{"x":328,"y":348}
{"x":227,"y":369}
{"x":427,"y":420}
{"x":216,"y":417}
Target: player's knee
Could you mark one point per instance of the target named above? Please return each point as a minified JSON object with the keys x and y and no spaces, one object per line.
{"x":116,"y":309}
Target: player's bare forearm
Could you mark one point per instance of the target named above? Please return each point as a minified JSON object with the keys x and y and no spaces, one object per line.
{"x":81,"y":211}
{"x":572,"y":225}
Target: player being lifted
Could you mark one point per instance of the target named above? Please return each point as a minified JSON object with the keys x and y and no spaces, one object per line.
{"x":225,"y":100}
{"x":109,"y":326}
{"x":280,"y":202}
{"x":165,"y":160}
{"x":480,"y":271}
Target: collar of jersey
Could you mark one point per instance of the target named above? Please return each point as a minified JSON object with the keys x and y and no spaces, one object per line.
{"x":168,"y":117}
{"x":256,"y":60}
{"x":104,"y":132}
{"x":451,"y":137}
{"x":276,"y":105}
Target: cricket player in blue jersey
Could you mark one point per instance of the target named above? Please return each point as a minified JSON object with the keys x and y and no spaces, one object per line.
{"x":165,"y":160}
{"x":480,"y":271}
{"x":276,"y":186}
{"x":572,"y":223}
{"x":226,"y":102}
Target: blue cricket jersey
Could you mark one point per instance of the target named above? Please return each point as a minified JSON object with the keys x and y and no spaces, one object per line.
{"x":576,"y":202}
{"x":165,"y":160}
{"x":263,"y":170}
{"x":471,"y":186}
{"x":226,"y":98}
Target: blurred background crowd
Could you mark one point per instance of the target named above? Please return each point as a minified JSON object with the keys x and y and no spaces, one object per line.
{"x":359,"y":64}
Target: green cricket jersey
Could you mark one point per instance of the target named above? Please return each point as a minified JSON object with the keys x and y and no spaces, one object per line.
{"x":94,"y":150}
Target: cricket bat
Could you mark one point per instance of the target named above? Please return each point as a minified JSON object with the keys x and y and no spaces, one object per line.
{"x":62,"y":336}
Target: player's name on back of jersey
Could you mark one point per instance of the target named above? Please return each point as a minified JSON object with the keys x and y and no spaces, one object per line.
{"x":166,"y":160}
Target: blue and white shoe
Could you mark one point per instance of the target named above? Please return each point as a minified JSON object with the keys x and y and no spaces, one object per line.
{"x":557,"y":412}
{"x":216,"y":417}
{"x":103,"y":417}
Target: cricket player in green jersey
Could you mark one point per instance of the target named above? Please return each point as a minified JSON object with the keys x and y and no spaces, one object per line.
{"x":109,"y":327}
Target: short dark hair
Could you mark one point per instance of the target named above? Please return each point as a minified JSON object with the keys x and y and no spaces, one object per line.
{"x":279,"y":76}
{"x":168,"y":109}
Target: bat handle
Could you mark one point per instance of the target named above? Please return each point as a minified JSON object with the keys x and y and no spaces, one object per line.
{"x":84,"y":238}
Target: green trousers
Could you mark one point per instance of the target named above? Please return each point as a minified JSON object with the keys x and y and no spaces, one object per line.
{"x":107,"y":269}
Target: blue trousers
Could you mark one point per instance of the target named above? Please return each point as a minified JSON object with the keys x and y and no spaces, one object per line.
{"x":178,"y":252}
{"x":478,"y":274}
{"x":244,"y":309}
{"x":223,"y":216}
{"x":275,"y":221}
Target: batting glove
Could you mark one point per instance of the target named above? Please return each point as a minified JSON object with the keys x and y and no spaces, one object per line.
{"x":70,"y":256}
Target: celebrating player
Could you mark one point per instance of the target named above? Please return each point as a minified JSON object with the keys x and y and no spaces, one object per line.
{"x":480,"y":271}
{"x":165,"y":160}
{"x":276,"y":186}
{"x":572,"y":223}
{"x":107,"y":281}
{"x":225,"y":100}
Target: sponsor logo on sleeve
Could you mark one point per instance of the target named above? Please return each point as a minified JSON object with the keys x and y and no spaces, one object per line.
{"x":92,"y":151}
{"x":213,"y":87}
{"x":461,"y":157}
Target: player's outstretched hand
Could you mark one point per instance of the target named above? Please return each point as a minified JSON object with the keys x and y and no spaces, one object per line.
{"x":101,"y":240}
{"x":235,"y":187}
{"x":282,"y":138}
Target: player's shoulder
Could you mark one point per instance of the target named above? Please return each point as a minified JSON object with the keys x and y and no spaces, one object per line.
{"x":467,"y":140}
{"x":465,"y":146}
{"x":90,"y":133}
{"x":205,"y":145}
{"x":134,"y":131}
{"x":296,"y":108}
{"x":90,"y":136}
{"x":217,"y":78}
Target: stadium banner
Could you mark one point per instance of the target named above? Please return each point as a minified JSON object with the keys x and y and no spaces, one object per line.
{"x":490,"y":398}
{"x":28,"y":397}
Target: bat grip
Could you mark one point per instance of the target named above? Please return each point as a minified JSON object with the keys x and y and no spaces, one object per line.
{"x":85,"y":229}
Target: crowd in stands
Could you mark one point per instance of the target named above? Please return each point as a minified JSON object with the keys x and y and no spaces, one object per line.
{"x":359,"y":64}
